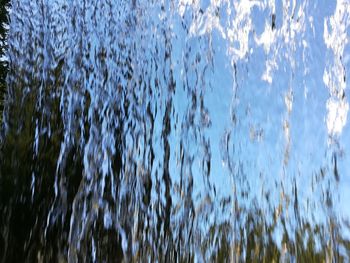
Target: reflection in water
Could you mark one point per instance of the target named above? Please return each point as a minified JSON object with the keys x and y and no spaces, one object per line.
{"x":175,"y":131}
{"x":3,"y":62}
{"x":334,"y":77}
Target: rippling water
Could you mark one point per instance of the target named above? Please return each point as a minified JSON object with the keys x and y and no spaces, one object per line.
{"x":175,"y":131}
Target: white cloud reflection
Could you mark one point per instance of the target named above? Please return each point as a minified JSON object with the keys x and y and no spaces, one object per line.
{"x":335,"y":37}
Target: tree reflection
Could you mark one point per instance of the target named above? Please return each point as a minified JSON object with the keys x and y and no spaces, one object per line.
{"x":3,"y":63}
{"x":52,"y":208}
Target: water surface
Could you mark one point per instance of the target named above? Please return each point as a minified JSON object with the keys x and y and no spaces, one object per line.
{"x":174,"y":131}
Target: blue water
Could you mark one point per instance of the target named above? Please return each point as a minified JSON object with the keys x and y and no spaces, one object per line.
{"x":168,"y":130}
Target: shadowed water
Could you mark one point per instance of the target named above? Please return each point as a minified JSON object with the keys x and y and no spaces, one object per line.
{"x":174,"y":131}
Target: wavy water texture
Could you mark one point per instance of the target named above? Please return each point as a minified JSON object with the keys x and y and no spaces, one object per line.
{"x":175,"y":131}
